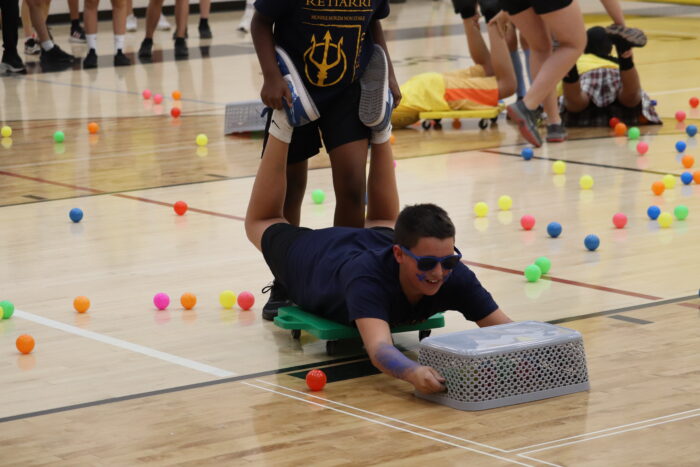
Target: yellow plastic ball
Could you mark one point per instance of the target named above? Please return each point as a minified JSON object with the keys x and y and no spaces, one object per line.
{"x":665,"y":220}
{"x":6,"y":132}
{"x":559,"y":167}
{"x":669,"y":181}
{"x":6,"y":143}
{"x":481,"y":209}
{"x":505,"y":202}
{"x":202,"y":139}
{"x":227,"y":299}
{"x":586,"y":182}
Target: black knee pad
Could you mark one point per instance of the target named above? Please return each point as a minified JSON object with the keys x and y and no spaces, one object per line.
{"x":465,"y":8}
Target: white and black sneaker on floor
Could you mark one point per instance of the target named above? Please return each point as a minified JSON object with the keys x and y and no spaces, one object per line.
{"x":32,"y":47}
{"x":56,"y":57}
{"x":376,"y":100}
{"x":77,"y":35}
{"x":278,"y":299}
{"x":11,"y":63}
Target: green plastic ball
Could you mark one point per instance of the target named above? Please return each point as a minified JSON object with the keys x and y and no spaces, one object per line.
{"x":633,"y":133}
{"x":59,"y":137}
{"x":533,"y":273}
{"x":681,"y":212}
{"x":8,"y":309}
{"x":318,"y":196}
{"x":544,"y":264}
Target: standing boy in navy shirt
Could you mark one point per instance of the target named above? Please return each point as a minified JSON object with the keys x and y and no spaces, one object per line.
{"x":326,"y":50}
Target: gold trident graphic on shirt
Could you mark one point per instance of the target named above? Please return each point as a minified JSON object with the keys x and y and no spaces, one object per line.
{"x":323,"y":66}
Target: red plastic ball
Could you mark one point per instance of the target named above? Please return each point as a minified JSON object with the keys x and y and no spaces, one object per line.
{"x":680,"y":115}
{"x":613,"y":122}
{"x":180,"y":208}
{"x":175,"y":112}
{"x":620,"y":220}
{"x":316,"y":380}
{"x":527,"y":221}
{"x":642,"y":148}
{"x":246,"y":300}
{"x":694,"y":101}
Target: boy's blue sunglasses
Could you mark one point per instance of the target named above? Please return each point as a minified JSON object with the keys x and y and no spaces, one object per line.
{"x":428,"y":263}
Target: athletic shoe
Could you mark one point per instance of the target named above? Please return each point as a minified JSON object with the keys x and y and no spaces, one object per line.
{"x":187,"y":34}
{"x":527,"y":124}
{"x":56,"y":56}
{"x":132,"y":23}
{"x":11,"y":63}
{"x":120,"y":59}
{"x":181,"y":48}
{"x":556,"y":133}
{"x":205,"y":32}
{"x":633,"y":36}
{"x":163,"y":24}
{"x":146,"y":49}
{"x":278,"y":299}
{"x":376,"y":100}
{"x":303,"y":109}
{"x":90,"y":60}
{"x":244,"y":24}
{"x":32,"y":47}
{"x":77,"y":35}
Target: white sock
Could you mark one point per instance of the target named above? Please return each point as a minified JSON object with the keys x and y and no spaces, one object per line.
{"x":47,"y":45}
{"x":118,"y":42}
{"x":91,"y":41}
{"x":379,"y":137}
{"x":280,"y":127}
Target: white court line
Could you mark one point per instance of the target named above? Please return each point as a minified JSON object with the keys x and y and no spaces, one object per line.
{"x":377,"y":422}
{"x":604,"y":435}
{"x":191,"y":364}
{"x":384,"y":417}
{"x":604,"y":430}
{"x":676,"y":91}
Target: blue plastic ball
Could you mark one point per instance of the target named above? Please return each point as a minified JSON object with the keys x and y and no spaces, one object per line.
{"x":76,"y":214}
{"x":653,"y":212}
{"x":654,"y":102}
{"x":692,"y":130}
{"x":554,"y":229}
{"x":527,"y":153}
{"x":680,"y":146}
{"x":592,"y":242}
{"x":686,"y":178}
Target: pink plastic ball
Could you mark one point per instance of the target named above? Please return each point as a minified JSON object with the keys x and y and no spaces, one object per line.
{"x":158,"y":98}
{"x":680,"y":115}
{"x":527,"y":221}
{"x":620,"y":220}
{"x":161,"y":300}
{"x":146,"y":94}
{"x":642,"y":148}
{"x":246,"y":300}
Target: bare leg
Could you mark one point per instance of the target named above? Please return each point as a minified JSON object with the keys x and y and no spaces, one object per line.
{"x":37,"y":14}
{"x":90,"y":16}
{"x":575,"y":99}
{"x":119,"y":14}
{"x":26,"y":20}
{"x":74,"y":9}
{"x":501,"y":61}
{"x":204,"y":8}
{"x":296,"y":188}
{"x":631,"y":93}
{"x":348,"y":164}
{"x":130,"y":7}
{"x":382,"y":193}
{"x":182,"y":9}
{"x":152,"y":16}
{"x":477,"y":47}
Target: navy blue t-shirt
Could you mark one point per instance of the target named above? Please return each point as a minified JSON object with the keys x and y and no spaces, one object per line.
{"x":328,"y":40}
{"x":344,"y":273}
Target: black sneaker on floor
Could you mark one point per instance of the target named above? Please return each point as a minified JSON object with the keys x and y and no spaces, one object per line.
{"x":32,"y":47}
{"x":278,"y":299}
{"x":526,"y":121}
{"x":90,"y":60}
{"x":120,"y":59}
{"x":187,"y":34}
{"x":11,"y":63}
{"x":205,"y":32}
{"x":556,"y":133}
{"x":56,"y":57}
{"x":181,"y":48}
{"x":146,"y":49}
{"x":77,"y":35}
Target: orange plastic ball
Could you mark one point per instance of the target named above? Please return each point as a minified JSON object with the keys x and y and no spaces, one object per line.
{"x":688,"y":161}
{"x":696,"y":177}
{"x":456,"y":124}
{"x":176,"y":95}
{"x":188,"y":300}
{"x":93,"y":128}
{"x":25,"y":343}
{"x":392,"y":139}
{"x":180,"y":208}
{"x":620,"y":129}
{"x":316,"y":380}
{"x":658,"y":187}
{"x":81,"y":304}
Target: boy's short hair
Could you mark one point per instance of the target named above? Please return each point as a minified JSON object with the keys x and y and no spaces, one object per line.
{"x":422,"y":220}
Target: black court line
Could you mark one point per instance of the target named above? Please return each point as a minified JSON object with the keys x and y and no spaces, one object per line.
{"x":629,"y":319}
{"x":358,"y":365}
{"x":35,"y":197}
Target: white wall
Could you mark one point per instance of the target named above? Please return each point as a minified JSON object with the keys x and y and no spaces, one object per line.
{"x":61,"y":6}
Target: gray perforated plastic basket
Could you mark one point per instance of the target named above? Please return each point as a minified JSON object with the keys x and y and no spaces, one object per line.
{"x":506,"y":364}
{"x":244,"y":116}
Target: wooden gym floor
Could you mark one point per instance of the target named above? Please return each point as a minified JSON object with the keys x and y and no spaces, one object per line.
{"x":125,"y":384}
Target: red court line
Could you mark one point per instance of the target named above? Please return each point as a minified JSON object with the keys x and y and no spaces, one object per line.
{"x":229,"y":216}
{"x":690,"y":305}
{"x":566,"y":281}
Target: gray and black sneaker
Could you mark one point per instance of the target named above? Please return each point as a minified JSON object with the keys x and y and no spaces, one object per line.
{"x":556,"y":133}
{"x":205,"y":31}
{"x":90,"y":60}
{"x":278,"y":299}
{"x":633,"y":36}
{"x":77,"y":35}
{"x":11,"y":63}
{"x":527,"y":122}
{"x":56,"y":57}
{"x":181,"y":48}
{"x":120,"y":59}
{"x":146,"y":49}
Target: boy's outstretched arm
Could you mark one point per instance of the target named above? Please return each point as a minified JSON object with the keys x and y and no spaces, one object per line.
{"x":378,"y":36}
{"x":274,"y":86}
